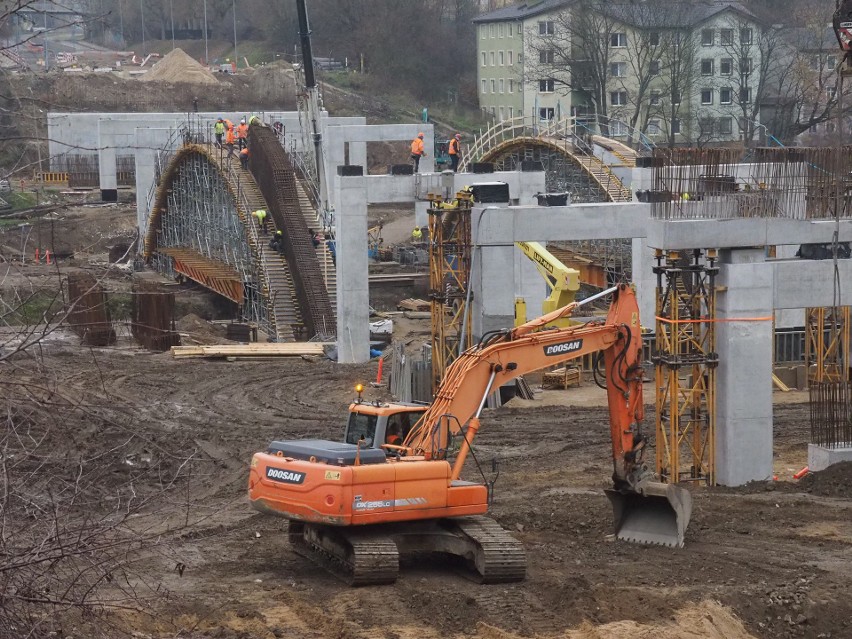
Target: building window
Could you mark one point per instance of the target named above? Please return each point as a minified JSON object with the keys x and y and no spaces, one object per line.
{"x":492,"y":31}
{"x":483,"y":31}
{"x":653,"y":127}
{"x":546,"y":56}
{"x":510,"y":31}
{"x":618,"y":98}
{"x":485,"y":86}
{"x":618,"y":40}
{"x":706,"y":126}
{"x":655,"y":98}
{"x":745,"y":95}
{"x":654,"y":38}
{"x":492,"y":58}
{"x":675,"y":96}
{"x":545,"y":27}
{"x":500,"y":58}
{"x":493,"y":111}
{"x":502,"y":30}
{"x":707,"y":37}
{"x":707,"y":66}
{"x":727,"y":36}
{"x":676,"y":126}
{"x":831,"y":62}
{"x":726,"y":66}
{"x":706,"y":96}
{"x":745,"y":36}
{"x":546,"y":113}
{"x":726,"y":96}
{"x":656,"y":67}
{"x":509,"y":56}
{"x":726,"y":126}
{"x":511,"y":86}
{"x":830,"y":127}
{"x":493,"y":85}
{"x":617,"y":129}
{"x":502,"y":114}
{"x":831,"y":92}
{"x":618,"y":69}
{"x":520,"y":57}
{"x":816,"y":62}
{"x":546,"y":86}
{"x":520,"y":28}
{"x":484,"y":59}
{"x":502,"y":85}
{"x":745,"y":66}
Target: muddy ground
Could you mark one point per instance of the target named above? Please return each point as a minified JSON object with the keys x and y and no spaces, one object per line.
{"x":775,"y":557}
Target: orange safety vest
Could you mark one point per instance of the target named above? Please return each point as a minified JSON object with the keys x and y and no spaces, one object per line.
{"x":394,"y":440}
{"x":229,"y":136}
{"x":245,"y":152}
{"x":242,"y":130}
{"x":454,"y":147}
{"x":417,"y":147}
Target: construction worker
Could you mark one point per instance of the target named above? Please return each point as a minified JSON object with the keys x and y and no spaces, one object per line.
{"x":416,"y":235}
{"x":244,"y":155}
{"x":254,"y":120}
{"x":277,"y":241}
{"x":242,"y":134}
{"x":219,"y":129}
{"x":455,"y":152}
{"x":333,"y":250}
{"x":260,"y":214}
{"x":417,"y":151}
{"x":230,"y":138}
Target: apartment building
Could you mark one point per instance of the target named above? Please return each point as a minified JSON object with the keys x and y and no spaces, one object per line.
{"x":681,"y":73}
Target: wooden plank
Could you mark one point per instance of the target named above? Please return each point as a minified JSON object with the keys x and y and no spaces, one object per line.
{"x":412,"y":304}
{"x":289,"y":349}
{"x":781,"y":385}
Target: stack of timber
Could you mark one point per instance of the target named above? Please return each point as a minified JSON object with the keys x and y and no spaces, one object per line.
{"x":563,"y":378}
{"x":412,"y":304}
{"x":276,"y":349}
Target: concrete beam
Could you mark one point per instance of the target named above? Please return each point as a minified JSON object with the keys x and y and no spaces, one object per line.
{"x":809,"y":283}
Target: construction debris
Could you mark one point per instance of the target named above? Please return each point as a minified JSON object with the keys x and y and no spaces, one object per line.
{"x":177,"y":66}
{"x":412,"y":304}
{"x":289,"y":349}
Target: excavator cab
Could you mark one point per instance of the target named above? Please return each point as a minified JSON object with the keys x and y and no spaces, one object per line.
{"x":374,"y":422}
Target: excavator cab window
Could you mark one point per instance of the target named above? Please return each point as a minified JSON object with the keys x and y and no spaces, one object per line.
{"x":361,"y":427}
{"x":398,"y":426}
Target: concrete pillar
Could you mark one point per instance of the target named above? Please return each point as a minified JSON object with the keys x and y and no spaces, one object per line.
{"x":645,"y":281}
{"x":353,"y":284}
{"x":744,"y":378}
{"x":148,"y":142}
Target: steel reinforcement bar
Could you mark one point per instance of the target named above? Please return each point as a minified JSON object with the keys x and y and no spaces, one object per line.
{"x":271,"y":167}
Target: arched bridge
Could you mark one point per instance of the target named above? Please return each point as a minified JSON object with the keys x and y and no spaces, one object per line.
{"x":201,"y":227}
{"x":566,"y":149}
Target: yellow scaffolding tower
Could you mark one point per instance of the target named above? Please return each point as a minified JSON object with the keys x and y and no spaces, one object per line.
{"x":685,"y":360}
{"x":827,"y":344}
{"x":449,"y":278}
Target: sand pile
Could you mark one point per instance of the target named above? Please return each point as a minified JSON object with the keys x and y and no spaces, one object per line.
{"x":177,"y":66}
{"x":706,"y":620}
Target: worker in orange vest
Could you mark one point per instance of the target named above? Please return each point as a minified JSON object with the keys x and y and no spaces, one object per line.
{"x":244,"y":155}
{"x":417,"y":151}
{"x":455,"y":152}
{"x":242,"y":134}
{"x":229,"y":138}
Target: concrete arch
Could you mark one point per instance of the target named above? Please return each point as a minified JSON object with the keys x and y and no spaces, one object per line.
{"x":612,"y":188}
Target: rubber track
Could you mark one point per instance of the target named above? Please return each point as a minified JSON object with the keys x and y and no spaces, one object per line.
{"x":274,"y":174}
{"x":373,"y":558}
{"x":500,"y":558}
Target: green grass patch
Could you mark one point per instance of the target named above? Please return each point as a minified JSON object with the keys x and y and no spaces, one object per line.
{"x":36,"y":308}
{"x":120,"y":306}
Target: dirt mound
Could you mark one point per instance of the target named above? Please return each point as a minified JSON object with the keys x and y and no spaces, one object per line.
{"x":200,"y":331}
{"x":834,"y":481}
{"x":177,"y":66}
{"x":707,"y":620}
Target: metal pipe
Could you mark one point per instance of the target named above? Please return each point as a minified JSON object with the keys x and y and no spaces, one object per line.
{"x":597,"y":296}
{"x":486,"y":394}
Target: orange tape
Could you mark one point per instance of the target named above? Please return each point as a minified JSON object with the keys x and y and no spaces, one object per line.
{"x":708,"y":321}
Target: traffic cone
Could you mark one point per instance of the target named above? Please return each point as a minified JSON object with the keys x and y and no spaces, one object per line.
{"x":47,"y":256}
{"x":37,"y":256}
{"x":381,"y":366}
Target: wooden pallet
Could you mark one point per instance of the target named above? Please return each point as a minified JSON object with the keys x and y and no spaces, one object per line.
{"x":412,"y":304}
{"x":287,"y":349}
{"x":563,"y":378}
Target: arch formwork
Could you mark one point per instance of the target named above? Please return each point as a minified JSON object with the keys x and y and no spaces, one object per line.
{"x":201,"y":227}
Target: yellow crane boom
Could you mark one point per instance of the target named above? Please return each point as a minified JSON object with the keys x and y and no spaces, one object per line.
{"x":562,"y":282}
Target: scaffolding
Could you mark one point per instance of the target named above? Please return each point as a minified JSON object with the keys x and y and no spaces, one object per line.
{"x":827,"y":344}
{"x":685,"y":362}
{"x":449,"y":279}
{"x":201,"y":228}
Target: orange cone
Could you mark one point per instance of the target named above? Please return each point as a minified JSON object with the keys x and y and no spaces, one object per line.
{"x":37,"y":256}
{"x":802,"y":473}
{"x":381,"y":366}
{"x":47,"y":256}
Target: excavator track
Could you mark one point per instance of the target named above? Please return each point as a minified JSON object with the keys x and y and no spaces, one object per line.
{"x":359,"y":557}
{"x":499,"y":557}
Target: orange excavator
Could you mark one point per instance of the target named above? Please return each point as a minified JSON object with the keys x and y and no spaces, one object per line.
{"x":356,"y":506}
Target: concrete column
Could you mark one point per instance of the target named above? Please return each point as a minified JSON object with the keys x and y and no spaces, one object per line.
{"x":744,"y":378}
{"x":353,"y":288}
{"x":644,"y":280}
{"x":106,"y":161}
{"x":148,"y":142}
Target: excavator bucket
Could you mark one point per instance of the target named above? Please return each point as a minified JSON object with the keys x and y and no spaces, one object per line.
{"x":655,"y":513}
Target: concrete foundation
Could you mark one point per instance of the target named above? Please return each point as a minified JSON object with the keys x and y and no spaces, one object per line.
{"x":820,"y":458}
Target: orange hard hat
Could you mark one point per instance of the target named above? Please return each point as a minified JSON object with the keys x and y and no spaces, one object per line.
{"x":419,"y":135}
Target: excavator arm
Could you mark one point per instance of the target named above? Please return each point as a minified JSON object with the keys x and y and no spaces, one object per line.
{"x":562,"y":282}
